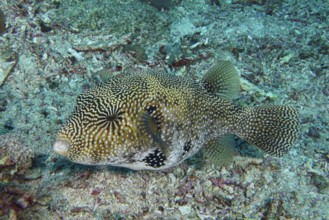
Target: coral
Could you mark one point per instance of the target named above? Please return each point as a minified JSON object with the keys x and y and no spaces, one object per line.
{"x":15,"y":159}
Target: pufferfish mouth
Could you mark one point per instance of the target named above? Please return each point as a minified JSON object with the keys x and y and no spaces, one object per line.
{"x":61,"y":146}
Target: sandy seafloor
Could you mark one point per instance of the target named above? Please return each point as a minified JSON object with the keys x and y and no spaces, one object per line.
{"x":53,"y":50}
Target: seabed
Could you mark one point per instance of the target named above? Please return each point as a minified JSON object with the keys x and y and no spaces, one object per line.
{"x":53,"y":50}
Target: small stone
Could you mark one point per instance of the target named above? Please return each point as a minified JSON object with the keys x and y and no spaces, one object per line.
{"x":313,"y":132}
{"x":45,"y":200}
{"x":207,"y":184}
{"x":320,"y":182}
{"x":12,"y":214}
{"x":160,"y":208}
{"x":3,"y":161}
{"x":185,"y":210}
{"x":119,"y":197}
{"x":96,"y":191}
{"x":22,"y":203}
{"x":33,"y":174}
{"x":286,"y":59}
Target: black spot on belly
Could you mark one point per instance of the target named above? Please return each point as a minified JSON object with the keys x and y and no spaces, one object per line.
{"x":155,"y":159}
{"x":187,"y":147}
{"x":151,"y":109}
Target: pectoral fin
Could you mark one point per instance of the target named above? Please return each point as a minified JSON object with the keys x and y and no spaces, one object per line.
{"x":151,"y":127}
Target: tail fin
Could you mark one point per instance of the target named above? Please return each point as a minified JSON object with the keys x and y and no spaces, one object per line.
{"x":271,"y":128}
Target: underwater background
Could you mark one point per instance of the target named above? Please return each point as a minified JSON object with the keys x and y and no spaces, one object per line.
{"x":51,"y":51}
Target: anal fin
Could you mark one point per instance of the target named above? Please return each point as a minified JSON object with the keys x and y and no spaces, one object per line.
{"x":219,"y":150}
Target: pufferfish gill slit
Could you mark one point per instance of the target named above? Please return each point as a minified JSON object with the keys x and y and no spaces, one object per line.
{"x":149,"y":120}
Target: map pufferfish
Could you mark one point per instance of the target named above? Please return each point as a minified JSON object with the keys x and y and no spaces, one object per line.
{"x":154,"y":120}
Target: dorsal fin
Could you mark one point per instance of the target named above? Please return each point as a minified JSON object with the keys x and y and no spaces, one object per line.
{"x":222,"y":79}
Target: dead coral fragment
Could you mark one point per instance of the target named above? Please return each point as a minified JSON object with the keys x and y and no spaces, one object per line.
{"x":8,"y":60}
{"x":2,"y":23}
